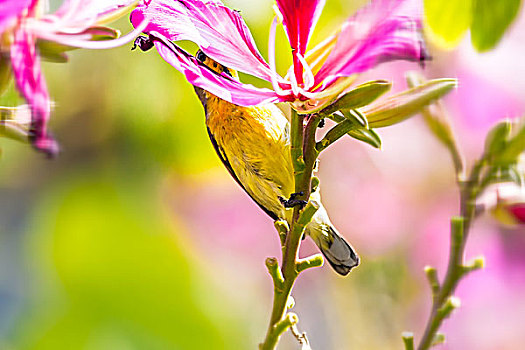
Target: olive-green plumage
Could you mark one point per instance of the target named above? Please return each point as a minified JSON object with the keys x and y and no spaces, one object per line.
{"x":254,"y":145}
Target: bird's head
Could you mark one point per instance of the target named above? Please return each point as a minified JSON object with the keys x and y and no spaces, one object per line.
{"x":215,"y":66}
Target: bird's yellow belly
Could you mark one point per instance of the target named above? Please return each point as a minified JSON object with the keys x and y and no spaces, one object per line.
{"x":255,"y":143}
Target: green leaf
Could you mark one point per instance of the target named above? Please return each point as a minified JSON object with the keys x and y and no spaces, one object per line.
{"x":354,"y":124}
{"x":403,"y":105}
{"x":490,"y":20}
{"x":361,"y":96}
{"x":448,"y":20}
{"x":368,"y":136}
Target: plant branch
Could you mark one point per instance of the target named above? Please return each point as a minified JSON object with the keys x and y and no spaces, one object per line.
{"x":304,"y":156}
{"x":443,"y":300}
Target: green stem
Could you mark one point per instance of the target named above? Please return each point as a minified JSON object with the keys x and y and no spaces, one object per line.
{"x":334,"y":134}
{"x":443,"y":302}
{"x":304,"y":157}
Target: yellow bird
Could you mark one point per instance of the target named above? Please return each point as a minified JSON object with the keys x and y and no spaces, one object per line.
{"x":254,"y":145}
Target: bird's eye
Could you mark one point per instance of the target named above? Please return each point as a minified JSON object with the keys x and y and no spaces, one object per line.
{"x":227,"y":71}
{"x":201,"y":56}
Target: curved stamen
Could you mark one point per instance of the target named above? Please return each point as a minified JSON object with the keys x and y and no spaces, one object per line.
{"x":271,"y":59}
{"x":308,"y":75}
{"x":295,"y":85}
{"x":86,"y":44}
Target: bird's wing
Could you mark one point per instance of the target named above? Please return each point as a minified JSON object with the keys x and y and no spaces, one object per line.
{"x":224,"y":159}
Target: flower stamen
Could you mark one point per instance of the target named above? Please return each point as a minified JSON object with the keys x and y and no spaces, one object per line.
{"x":271,"y":59}
{"x":308,"y":75}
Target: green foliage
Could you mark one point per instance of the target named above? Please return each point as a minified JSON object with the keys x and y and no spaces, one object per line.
{"x":448,"y":20}
{"x":488,"y":20}
{"x":117,"y":276}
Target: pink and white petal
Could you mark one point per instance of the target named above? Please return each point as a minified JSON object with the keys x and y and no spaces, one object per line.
{"x":299,"y":19}
{"x":75,"y":16}
{"x":31,"y":84}
{"x":379,"y":33}
{"x":201,"y":76}
{"x":219,"y":31}
{"x":11,"y":9}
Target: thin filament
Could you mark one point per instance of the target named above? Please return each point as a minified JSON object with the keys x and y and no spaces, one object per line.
{"x":308,"y":75}
{"x":271,"y":59}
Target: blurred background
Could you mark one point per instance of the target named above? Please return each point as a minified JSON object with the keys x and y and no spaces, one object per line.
{"x":136,"y":237}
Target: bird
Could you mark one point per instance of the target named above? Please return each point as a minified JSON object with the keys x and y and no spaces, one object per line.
{"x":253,"y":143}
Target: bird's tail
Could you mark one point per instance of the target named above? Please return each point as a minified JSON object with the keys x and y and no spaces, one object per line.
{"x":336,"y":250}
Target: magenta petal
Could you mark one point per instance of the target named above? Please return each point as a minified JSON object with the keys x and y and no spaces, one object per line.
{"x":518,"y":211}
{"x":199,"y":75}
{"x":299,"y":19}
{"x":376,"y":34}
{"x":11,"y":9}
{"x":30,"y":82}
{"x":220,"y":32}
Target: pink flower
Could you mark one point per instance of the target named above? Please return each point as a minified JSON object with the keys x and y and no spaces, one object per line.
{"x":378,"y":33}
{"x":506,"y":201}
{"x":76,"y":24}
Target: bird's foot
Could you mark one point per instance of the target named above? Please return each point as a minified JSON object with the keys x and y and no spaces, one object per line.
{"x":293,"y":201}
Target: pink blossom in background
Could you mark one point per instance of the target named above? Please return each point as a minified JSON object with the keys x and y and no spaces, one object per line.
{"x":77,"y":23}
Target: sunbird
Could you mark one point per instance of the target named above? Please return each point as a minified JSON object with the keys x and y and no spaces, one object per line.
{"x":253,"y":143}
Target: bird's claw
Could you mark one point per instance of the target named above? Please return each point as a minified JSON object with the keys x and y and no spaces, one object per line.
{"x":293,"y":201}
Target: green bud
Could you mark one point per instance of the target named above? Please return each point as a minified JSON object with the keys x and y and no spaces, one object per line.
{"x":361,"y":96}
{"x":514,"y":147}
{"x":450,"y":305}
{"x":439,"y":338}
{"x":368,"y":136}
{"x":432,"y":277}
{"x":497,"y":138}
{"x":315,"y":183}
{"x":354,"y":124}
{"x":477,"y":263}
{"x":357,"y":118}
{"x":312,"y":261}
{"x":401,"y":106}
{"x":408,"y":340}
